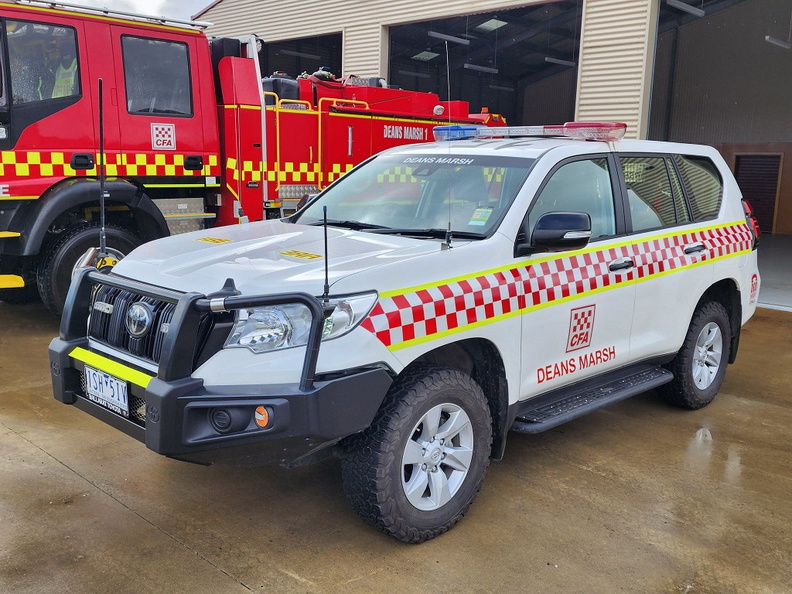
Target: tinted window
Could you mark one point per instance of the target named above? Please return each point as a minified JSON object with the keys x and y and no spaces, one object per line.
{"x":43,"y":61}
{"x":653,"y":199}
{"x":580,"y":186}
{"x":703,"y":184}
{"x":157,"y":77}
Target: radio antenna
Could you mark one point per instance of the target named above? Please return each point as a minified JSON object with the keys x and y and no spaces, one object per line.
{"x":103,"y":222}
{"x":326,"y":294}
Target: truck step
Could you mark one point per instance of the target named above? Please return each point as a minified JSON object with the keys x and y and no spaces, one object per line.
{"x":555,"y":408}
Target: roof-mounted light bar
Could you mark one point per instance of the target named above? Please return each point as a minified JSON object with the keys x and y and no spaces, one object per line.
{"x":605,"y":131}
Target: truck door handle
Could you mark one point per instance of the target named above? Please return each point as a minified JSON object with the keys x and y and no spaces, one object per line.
{"x":621,"y":264}
{"x":81,"y":161}
{"x":694,"y":248}
{"x":193,"y":162}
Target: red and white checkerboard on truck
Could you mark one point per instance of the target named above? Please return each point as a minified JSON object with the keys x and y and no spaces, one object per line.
{"x":193,"y":135}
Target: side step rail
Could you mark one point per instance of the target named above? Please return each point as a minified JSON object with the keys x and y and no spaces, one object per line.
{"x":550,"y":410}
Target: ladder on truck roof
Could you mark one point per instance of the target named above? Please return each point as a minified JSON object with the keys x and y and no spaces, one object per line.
{"x":144,"y":18}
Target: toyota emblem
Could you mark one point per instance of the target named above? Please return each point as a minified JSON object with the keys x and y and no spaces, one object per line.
{"x":139,"y":319}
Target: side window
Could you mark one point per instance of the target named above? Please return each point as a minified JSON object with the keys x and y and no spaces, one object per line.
{"x":580,"y":186}
{"x":703,"y":184}
{"x":43,"y":61}
{"x":654,"y":199}
{"x":157,"y":77}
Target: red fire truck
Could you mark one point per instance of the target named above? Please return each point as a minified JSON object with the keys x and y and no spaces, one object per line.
{"x":192,"y":135}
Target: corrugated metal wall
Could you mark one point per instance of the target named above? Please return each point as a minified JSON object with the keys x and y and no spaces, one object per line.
{"x":363,"y":23}
{"x":728,"y":83}
{"x":617,"y":52}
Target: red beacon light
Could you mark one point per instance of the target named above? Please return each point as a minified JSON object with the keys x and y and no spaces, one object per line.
{"x":603,"y":131}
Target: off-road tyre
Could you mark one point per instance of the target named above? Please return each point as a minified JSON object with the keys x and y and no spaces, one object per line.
{"x":701,"y":363}
{"x":59,"y":258}
{"x":377,"y":472}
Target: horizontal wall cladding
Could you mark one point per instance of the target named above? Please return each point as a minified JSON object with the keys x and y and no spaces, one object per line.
{"x":613,"y":66}
{"x":360,"y":21}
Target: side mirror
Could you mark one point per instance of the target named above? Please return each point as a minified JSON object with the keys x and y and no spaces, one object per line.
{"x":556,"y":232}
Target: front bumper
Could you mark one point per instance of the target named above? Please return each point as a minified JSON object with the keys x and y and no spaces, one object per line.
{"x":175,"y":414}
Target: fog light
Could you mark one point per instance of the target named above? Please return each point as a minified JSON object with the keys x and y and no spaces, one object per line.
{"x":226,"y":420}
{"x":261,"y":416}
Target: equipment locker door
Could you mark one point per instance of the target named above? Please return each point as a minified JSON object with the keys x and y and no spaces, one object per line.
{"x":159,"y":101}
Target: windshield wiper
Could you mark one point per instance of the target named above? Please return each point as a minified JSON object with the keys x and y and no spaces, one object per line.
{"x":354,"y":225}
{"x":433,"y":233}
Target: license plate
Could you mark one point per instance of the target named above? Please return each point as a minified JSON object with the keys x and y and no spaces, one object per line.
{"x":107,"y":390}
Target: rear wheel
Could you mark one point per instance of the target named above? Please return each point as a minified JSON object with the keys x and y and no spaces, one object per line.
{"x":414,"y":473}
{"x":58,"y":260}
{"x":701,"y":363}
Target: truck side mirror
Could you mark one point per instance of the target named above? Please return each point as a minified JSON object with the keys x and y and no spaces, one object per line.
{"x":556,"y":232}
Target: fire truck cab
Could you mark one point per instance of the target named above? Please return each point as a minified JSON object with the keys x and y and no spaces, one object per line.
{"x":189,"y":135}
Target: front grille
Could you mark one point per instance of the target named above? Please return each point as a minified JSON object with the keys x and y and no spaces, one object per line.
{"x":107,"y":322}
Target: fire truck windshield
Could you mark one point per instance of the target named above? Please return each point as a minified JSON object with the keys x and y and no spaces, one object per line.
{"x":420,"y":192}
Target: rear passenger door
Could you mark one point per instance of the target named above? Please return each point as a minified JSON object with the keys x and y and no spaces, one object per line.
{"x":669,"y":248}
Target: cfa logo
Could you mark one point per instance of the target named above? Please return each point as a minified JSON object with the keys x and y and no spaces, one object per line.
{"x":163,"y":137}
{"x":581,"y":327}
{"x":754,"y":288}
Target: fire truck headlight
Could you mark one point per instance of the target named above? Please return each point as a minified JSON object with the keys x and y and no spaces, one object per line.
{"x":348,"y":313}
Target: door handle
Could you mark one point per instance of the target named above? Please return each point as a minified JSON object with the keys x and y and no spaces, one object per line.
{"x":193,"y":163}
{"x":694,"y":248}
{"x":621,"y":264}
{"x":81,"y":161}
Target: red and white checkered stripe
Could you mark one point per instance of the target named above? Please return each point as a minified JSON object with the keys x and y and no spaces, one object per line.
{"x":451,"y":306}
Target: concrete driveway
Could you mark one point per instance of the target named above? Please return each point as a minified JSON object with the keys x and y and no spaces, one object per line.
{"x":638,"y":497}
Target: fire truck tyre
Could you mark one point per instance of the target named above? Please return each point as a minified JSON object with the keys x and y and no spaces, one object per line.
{"x":701,"y":363}
{"x":58,"y":260}
{"x":415,"y":471}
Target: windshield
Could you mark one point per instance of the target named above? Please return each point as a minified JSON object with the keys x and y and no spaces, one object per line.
{"x":420,"y":192}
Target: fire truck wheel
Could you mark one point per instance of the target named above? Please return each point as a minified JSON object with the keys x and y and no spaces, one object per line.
{"x":701,"y":363}
{"x":415,"y":471}
{"x":58,"y":260}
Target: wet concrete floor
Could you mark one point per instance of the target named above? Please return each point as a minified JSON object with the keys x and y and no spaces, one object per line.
{"x":638,"y":497}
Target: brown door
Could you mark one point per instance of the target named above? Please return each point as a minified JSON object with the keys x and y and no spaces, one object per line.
{"x":757,"y":176}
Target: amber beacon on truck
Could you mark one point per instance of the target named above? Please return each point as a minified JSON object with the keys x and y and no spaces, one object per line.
{"x":194,"y":136}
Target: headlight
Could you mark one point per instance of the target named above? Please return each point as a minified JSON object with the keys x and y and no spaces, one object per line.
{"x":263,"y":329}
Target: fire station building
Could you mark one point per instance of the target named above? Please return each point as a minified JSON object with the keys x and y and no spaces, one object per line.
{"x":715,"y":72}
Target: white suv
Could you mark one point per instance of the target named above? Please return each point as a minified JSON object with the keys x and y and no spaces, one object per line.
{"x":424,"y":305}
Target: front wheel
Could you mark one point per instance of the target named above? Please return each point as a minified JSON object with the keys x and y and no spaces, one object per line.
{"x":58,"y":261}
{"x":414,"y":473}
{"x":701,"y":363}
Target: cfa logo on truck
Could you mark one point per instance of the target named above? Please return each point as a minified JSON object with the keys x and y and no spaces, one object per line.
{"x":581,"y":326}
{"x":163,"y":137}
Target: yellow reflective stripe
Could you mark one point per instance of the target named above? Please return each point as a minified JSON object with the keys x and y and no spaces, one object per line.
{"x":5,"y":234}
{"x":19,"y":197}
{"x":109,"y":366}
{"x":11,"y":281}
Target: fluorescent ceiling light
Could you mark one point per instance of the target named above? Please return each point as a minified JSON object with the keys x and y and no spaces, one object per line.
{"x":286,"y":52}
{"x":425,"y":56}
{"x":679,"y":5}
{"x":490,"y":25}
{"x":778,"y":42}
{"x":445,"y":37}
{"x":500,"y":88}
{"x":416,"y":74}
{"x":560,"y":62}
{"x":478,"y":68}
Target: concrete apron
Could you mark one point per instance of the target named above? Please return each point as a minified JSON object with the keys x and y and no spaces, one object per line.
{"x":638,"y":497}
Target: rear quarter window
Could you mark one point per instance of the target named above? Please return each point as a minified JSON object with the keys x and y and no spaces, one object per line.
{"x":703,"y":185}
